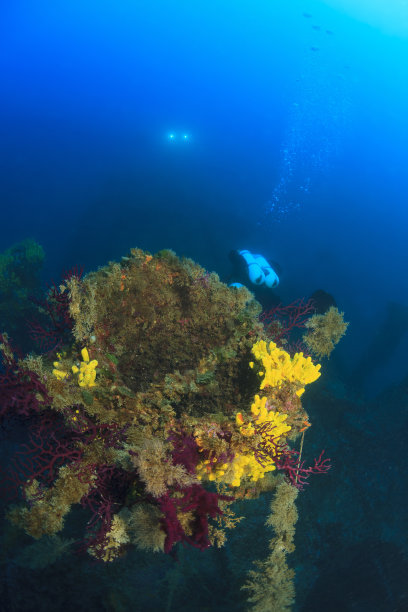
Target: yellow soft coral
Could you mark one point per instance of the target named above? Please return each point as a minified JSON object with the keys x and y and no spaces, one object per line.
{"x":57,"y":372}
{"x":60,"y":374}
{"x":270,"y":425}
{"x":86,"y":371}
{"x":279,"y":366}
{"x":211,"y":469}
{"x":245,"y":465}
{"x":275,"y":419}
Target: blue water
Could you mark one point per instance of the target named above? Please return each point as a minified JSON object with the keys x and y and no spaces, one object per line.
{"x":290,"y":139}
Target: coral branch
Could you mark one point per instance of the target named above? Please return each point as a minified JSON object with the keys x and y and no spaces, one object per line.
{"x":21,"y":391}
{"x":288,"y":459}
{"x":196,"y":500}
{"x":281,"y":320}
{"x":50,"y":333}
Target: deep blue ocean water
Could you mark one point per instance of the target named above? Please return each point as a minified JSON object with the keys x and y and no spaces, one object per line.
{"x":276,"y":126}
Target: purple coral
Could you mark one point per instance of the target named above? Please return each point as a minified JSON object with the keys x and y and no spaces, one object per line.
{"x":201,"y":503}
{"x":21,"y":391}
{"x":50,"y":333}
{"x":105,"y":498}
{"x":185,"y":450}
{"x":281,"y":320}
{"x":287,"y":459}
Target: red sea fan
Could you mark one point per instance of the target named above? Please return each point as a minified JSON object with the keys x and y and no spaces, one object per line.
{"x":288,"y":460}
{"x":281,"y":320}
{"x":21,"y":391}
{"x":50,"y":332}
{"x":201,"y":503}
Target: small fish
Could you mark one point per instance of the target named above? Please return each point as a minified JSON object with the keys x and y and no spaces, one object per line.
{"x":329,"y":32}
{"x":314,"y":48}
{"x":316,"y":27}
{"x":307,"y":15}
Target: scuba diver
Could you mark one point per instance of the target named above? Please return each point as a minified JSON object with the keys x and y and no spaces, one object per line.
{"x":262,"y":277}
{"x":255,"y":273}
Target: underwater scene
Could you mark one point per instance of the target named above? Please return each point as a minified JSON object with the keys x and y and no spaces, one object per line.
{"x":203,"y":306}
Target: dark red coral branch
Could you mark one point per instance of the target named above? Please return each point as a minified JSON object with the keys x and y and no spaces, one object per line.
{"x":287,"y":459}
{"x":21,"y":391}
{"x":105,"y":498}
{"x":50,"y":446}
{"x":281,"y":320}
{"x":201,"y":503}
{"x":50,"y":333}
{"x":185,"y":450}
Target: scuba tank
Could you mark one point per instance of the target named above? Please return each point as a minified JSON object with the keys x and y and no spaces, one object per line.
{"x":255,"y":268}
{"x":245,"y":261}
{"x":271,"y":278}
